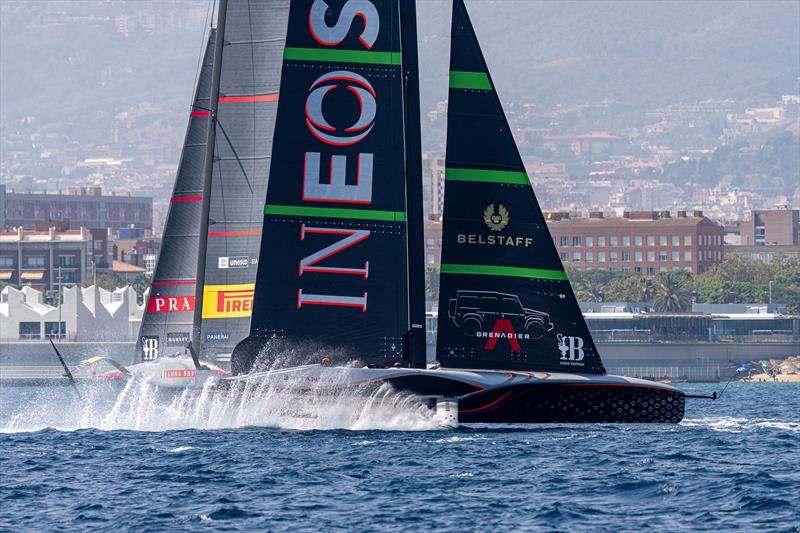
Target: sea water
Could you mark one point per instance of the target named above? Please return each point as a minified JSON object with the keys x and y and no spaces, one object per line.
{"x":134,"y":460}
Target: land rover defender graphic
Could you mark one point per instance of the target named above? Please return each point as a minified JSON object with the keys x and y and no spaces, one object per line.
{"x":476,"y":312}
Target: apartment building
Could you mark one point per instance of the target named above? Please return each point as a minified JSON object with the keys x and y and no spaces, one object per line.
{"x":647,"y":242}
{"x":80,"y":207}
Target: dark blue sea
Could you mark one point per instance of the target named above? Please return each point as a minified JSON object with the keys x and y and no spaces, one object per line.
{"x":139,"y":462}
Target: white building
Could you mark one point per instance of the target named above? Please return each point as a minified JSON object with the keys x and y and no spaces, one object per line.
{"x":87,"y":314}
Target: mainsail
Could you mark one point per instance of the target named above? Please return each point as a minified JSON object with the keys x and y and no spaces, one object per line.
{"x":169,"y":310}
{"x":505,"y":301}
{"x":333,"y":266}
{"x":249,"y":79}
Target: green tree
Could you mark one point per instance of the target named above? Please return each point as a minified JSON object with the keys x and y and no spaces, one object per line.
{"x":624,"y":287}
{"x":589,"y":285}
{"x":672,"y":292}
{"x":741,"y":279}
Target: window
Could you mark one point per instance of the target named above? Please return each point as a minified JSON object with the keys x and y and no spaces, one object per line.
{"x":651,"y":240}
{"x":55,"y":330}
{"x":626,"y":269}
{"x":67,"y":277}
{"x":613,"y":240}
{"x":651,"y":256}
{"x":687,"y":240}
{"x":429,"y":258}
{"x":576,"y":240}
{"x":589,"y":241}
{"x":637,"y":240}
{"x":601,"y":257}
{"x":429,"y":243}
{"x":6,"y":261}
{"x":626,"y":240}
{"x":626,"y":256}
{"x":564,"y":257}
{"x":637,"y":269}
{"x":563,"y":240}
{"x":662,"y":269}
{"x":66,"y":260}
{"x":662,"y":240}
{"x":676,"y":256}
{"x":638,"y":257}
{"x":589,"y":257}
{"x":662,"y":256}
{"x":576,"y":257}
{"x":687,"y":255}
{"x":613,"y":256}
{"x":612,"y":269}
{"x":601,"y":241}
{"x":676,"y":240}
{"x":651,"y":271}
{"x":34,"y":261}
{"x":29,"y":330}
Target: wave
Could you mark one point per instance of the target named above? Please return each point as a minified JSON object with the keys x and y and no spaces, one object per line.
{"x":138,"y":405}
{"x":729,"y":424}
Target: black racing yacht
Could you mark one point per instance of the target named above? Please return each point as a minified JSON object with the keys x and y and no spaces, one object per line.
{"x":338,"y":301}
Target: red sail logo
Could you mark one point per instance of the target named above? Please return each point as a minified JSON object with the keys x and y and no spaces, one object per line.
{"x":503,"y":330}
{"x":170,"y":304}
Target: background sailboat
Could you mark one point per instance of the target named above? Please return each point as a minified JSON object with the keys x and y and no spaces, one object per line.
{"x":170,"y":307}
{"x":202,"y":287}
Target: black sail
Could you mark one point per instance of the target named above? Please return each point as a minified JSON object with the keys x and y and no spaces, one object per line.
{"x":332,"y":271}
{"x":505,"y":301}
{"x":169,"y":310}
{"x":251,"y":60}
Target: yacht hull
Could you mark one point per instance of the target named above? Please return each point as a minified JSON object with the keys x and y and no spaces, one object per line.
{"x":487,"y":396}
{"x":482,"y":396}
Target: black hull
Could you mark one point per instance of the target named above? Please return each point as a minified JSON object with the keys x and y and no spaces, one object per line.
{"x":482,"y":396}
{"x":574,"y":403}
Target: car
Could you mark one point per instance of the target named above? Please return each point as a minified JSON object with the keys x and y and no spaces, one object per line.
{"x":474,"y":311}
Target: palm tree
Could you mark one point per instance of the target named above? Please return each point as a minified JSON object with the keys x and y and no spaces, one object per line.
{"x":671,"y":293}
{"x":645,"y":289}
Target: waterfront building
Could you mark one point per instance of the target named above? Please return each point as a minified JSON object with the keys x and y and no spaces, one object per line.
{"x":86,"y":314}
{"x":45,"y":260}
{"x":771,"y":227}
{"x":768,"y":234}
{"x":647,"y":242}
{"x":433,"y":183}
{"x":79,"y":207}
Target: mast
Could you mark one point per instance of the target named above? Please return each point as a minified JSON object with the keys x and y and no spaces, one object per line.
{"x":208,"y":168}
{"x":169,"y":311}
{"x":415,"y":353}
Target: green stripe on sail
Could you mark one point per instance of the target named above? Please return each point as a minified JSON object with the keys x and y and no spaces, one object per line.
{"x":460,"y":79}
{"x":487,"y":176}
{"x":489,"y":270}
{"x":341,"y":56}
{"x":334,"y":212}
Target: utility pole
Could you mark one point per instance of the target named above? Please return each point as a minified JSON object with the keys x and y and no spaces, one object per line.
{"x":60,"y":300}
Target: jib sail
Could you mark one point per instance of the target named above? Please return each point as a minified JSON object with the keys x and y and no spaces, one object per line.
{"x":332,"y":272}
{"x":169,"y":310}
{"x":247,"y":102}
{"x":505,"y":301}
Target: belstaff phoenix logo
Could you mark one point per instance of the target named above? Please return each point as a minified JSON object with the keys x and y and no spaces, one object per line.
{"x":496,"y":218}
